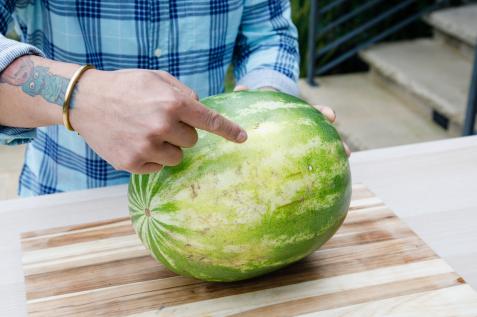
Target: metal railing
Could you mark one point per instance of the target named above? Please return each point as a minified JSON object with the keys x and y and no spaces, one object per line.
{"x":350,"y":38}
{"x":469,"y":121}
{"x":353,"y":43}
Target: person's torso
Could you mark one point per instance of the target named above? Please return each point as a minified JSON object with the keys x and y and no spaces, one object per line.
{"x":193,"y":40}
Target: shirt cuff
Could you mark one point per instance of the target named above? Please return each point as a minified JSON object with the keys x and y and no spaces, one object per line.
{"x":16,"y":136}
{"x":11,"y":50}
{"x":269,"y":78}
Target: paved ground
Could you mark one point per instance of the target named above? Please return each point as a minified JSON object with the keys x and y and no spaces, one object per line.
{"x":369,"y":116}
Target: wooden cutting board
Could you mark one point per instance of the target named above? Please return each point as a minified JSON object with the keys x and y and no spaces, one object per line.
{"x":374,"y":266}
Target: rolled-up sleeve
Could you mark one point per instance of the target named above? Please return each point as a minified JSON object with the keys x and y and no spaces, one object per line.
{"x":266,"y":52}
{"x":9,"y":51}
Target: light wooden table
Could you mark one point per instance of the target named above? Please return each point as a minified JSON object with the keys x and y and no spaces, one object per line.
{"x":431,"y":186}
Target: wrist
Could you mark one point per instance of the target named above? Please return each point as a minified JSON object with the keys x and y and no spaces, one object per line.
{"x":86,"y":97}
{"x":71,"y":89}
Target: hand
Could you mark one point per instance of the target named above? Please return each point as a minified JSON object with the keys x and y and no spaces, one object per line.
{"x":331,"y":116}
{"x":138,"y":120}
{"x":326,"y":111}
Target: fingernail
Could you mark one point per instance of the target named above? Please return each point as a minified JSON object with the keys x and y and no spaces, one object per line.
{"x":242,"y":136}
{"x":347,"y":149}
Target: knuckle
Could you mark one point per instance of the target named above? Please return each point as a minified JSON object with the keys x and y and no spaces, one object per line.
{"x":173,"y":106}
{"x":194,"y":95}
{"x":133,"y":169}
{"x":119,"y":166}
{"x":165,"y":128}
{"x":176,"y":157}
{"x":151,"y":135}
{"x":145,"y":78}
{"x":194,"y":138}
{"x":142,"y":149}
{"x":163,"y":73}
{"x":127,"y":164}
{"x":152,"y":169}
{"x":133,"y":159}
{"x":214,"y":121}
{"x":132,"y":162}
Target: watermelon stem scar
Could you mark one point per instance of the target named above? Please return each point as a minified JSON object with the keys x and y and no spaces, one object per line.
{"x":147,"y":212}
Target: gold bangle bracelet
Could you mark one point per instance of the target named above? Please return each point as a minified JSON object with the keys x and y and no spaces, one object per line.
{"x":69,"y":93}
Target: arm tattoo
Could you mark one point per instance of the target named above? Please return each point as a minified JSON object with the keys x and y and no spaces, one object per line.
{"x":35,"y":80}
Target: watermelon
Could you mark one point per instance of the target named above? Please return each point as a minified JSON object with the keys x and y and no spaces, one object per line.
{"x":235,"y":211}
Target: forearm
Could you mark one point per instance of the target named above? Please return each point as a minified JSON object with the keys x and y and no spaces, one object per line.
{"x":137,"y":120}
{"x":32,"y":91}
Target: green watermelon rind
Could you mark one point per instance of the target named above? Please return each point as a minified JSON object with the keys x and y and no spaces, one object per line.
{"x":314,"y":208}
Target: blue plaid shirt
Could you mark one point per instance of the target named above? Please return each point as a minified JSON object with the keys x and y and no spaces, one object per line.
{"x":194,"y":40}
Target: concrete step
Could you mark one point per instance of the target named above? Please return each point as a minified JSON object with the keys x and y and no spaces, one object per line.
{"x":369,"y":116}
{"x":434,"y":79}
{"x":456,"y":27}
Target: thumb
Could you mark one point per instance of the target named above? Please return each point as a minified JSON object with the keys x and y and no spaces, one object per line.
{"x":240,"y":88}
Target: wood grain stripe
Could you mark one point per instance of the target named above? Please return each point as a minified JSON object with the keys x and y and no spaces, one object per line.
{"x":268,"y":299}
{"x":459,"y":300}
{"x":97,"y":276}
{"x":356,"y":296}
{"x":365,"y":203}
{"x":99,"y":232}
{"x":66,"y":229}
{"x":375,"y":221}
{"x":368,"y":215}
{"x":77,"y":249}
{"x":360,"y":191}
{"x":65,"y":257}
{"x":369,"y":236}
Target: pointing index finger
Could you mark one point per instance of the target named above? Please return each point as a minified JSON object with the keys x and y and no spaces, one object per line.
{"x":198,"y":116}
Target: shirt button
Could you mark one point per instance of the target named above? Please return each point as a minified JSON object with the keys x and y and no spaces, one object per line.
{"x":157,"y":52}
